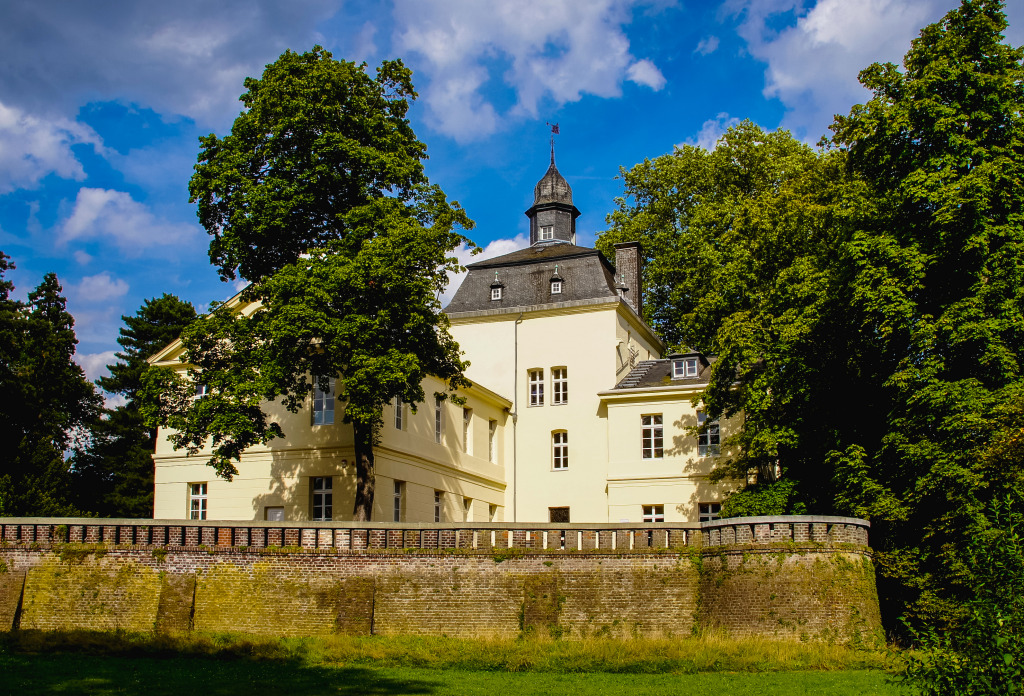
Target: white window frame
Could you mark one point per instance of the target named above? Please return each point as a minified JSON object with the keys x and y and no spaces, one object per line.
{"x":546,"y":232}
{"x":467,"y":430}
{"x":202,"y":390}
{"x":399,"y":413}
{"x":685,"y":367}
{"x":559,"y":386}
{"x":438,"y":506}
{"x":709,"y":438}
{"x":399,"y":500}
{"x":536,"y":387}
{"x":556,"y":287}
{"x":709,"y":512}
{"x":273,"y":513}
{"x":495,"y":294}
{"x":492,"y":441}
{"x":652,"y":436}
{"x":560,"y":450}
{"x":322,"y":488}
{"x":653,"y":513}
{"x":323,"y":404}
{"x":197,"y":500}
{"x":438,"y":419}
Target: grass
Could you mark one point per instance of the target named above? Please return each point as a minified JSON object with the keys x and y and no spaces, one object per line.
{"x":80,"y":662}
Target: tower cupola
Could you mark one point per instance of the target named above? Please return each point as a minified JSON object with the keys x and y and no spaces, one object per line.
{"x":552,"y":215}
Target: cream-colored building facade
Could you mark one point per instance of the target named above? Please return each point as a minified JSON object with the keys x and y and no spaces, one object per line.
{"x":572,"y":415}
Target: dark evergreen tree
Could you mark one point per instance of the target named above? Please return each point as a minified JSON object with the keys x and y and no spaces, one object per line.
{"x":48,"y":404}
{"x":114,"y":477}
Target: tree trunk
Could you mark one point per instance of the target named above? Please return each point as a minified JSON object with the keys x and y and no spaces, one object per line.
{"x":366,"y":477}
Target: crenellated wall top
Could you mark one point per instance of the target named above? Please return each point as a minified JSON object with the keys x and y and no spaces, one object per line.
{"x":360,"y":536}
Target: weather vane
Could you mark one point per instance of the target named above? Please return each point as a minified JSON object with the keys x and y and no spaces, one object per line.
{"x":554,"y":132}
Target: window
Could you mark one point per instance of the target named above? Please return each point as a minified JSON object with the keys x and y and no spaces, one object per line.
{"x":495,"y":293}
{"x":558,"y":515}
{"x":467,"y":509}
{"x":559,"y":385}
{"x":547,"y":232}
{"x":652,"y":441}
{"x":273,"y":513}
{"x":709,"y":511}
{"x":201,"y":391}
{"x":323,"y":404}
{"x":197,"y":501}
{"x":323,"y":498}
{"x":556,"y":287}
{"x":560,"y":450}
{"x":399,"y":413}
{"x":492,"y":444}
{"x":438,"y":505}
{"x":399,"y":494}
{"x":708,"y":439}
{"x":654,"y":513}
{"x":438,"y":406}
{"x":536,"y":387}
{"x":467,"y":430}
{"x":684,"y":367}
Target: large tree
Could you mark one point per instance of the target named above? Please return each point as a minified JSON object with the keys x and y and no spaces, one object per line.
{"x":114,"y":475}
{"x":319,"y":199}
{"x":866,"y":300}
{"x":47,"y":402}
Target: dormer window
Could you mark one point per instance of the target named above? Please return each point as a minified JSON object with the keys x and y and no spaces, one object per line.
{"x":547,"y":232}
{"x":496,"y":287}
{"x":556,"y":287}
{"x":684,"y":367}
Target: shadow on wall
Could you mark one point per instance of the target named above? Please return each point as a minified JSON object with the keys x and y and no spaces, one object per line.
{"x":309,"y":451}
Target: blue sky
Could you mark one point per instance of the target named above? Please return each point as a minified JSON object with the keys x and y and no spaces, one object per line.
{"x":102,"y":103}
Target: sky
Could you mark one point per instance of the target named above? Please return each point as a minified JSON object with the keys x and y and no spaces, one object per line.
{"x":102,"y":104}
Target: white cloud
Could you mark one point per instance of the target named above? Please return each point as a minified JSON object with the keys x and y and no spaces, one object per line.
{"x":707,"y":45}
{"x":100,"y":288}
{"x":82,"y":258}
{"x":465,"y":256}
{"x":645,"y":73}
{"x":183,"y":57}
{"x":32,"y":148}
{"x":554,"y":49}
{"x":95,"y":364}
{"x":116,"y":216}
{"x":813,"y":66}
{"x":711,"y":130}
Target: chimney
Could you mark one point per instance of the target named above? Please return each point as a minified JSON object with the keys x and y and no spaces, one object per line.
{"x":627,"y":268}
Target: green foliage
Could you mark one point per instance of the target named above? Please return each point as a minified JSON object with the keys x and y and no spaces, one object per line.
{"x":45,"y":400}
{"x":982,"y":652}
{"x":864,"y":300}
{"x":114,"y":476}
{"x":319,"y":198}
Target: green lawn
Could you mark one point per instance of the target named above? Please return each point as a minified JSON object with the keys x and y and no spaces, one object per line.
{"x":37,"y":674}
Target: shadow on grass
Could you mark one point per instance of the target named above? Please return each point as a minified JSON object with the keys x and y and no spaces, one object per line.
{"x":30,"y":675}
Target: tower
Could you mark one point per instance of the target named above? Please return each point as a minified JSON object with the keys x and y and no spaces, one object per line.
{"x":552,"y":215}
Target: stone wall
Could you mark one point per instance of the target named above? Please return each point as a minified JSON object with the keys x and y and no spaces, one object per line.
{"x":487,"y":580}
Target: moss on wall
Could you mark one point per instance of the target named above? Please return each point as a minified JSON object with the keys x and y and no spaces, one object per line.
{"x":281,"y":598}
{"x":788,"y":593}
{"x":90,"y":593}
{"x":11,"y":584}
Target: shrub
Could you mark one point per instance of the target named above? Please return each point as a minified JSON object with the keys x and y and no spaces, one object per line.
{"x":983,"y":653}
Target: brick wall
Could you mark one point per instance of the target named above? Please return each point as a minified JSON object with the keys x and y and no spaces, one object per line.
{"x":624,"y":581}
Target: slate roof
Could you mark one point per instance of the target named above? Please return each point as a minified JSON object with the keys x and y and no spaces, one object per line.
{"x":658,"y":373}
{"x":525,"y":278}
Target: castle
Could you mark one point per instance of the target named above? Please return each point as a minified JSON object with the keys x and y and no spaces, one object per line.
{"x":573,"y":414}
